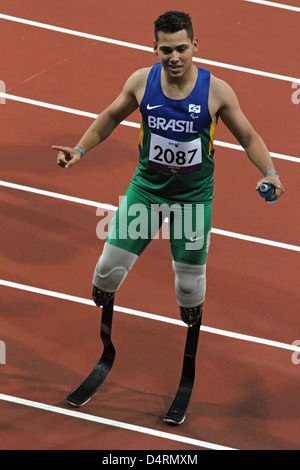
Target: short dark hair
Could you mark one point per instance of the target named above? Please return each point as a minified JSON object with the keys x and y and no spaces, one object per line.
{"x":173,"y":21}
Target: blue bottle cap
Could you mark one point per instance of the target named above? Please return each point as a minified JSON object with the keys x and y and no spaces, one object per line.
{"x":266,"y":190}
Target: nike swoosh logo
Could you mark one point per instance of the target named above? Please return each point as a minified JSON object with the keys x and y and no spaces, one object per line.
{"x":192,"y":239}
{"x":153,"y":107}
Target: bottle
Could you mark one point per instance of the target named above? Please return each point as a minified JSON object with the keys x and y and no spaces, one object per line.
{"x":266,"y":190}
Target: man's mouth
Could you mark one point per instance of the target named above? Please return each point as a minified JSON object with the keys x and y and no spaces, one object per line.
{"x":175,"y":68}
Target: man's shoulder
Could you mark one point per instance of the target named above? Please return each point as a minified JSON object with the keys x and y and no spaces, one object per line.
{"x":139,"y":76}
{"x":218,"y":85}
{"x":221,"y":91}
{"x":136,"y":83}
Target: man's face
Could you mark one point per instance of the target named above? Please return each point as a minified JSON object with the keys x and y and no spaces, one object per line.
{"x":175,"y":52}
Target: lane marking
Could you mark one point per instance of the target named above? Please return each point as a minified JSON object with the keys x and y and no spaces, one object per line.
{"x":273,"y":154}
{"x":110,"y":207}
{"x":77,"y":112}
{"x":143,"y":48}
{"x":112,"y":422}
{"x":274,"y":4}
{"x":63,"y":197}
{"x":150,"y":316}
{"x":263,"y":241}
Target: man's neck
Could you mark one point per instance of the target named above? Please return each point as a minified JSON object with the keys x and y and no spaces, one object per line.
{"x":181,"y":87}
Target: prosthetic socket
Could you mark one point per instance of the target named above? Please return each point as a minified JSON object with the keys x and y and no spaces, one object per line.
{"x":115,"y":263}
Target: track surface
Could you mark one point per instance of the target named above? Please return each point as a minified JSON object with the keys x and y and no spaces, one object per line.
{"x":246,"y":394}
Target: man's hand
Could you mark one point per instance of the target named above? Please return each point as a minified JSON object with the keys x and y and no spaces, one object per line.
{"x":67,"y":156}
{"x":274,"y":180}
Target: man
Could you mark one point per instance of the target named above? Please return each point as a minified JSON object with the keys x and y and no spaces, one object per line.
{"x":180,"y":106}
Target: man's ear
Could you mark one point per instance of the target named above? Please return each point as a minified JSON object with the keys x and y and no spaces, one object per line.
{"x":195,"y":44}
{"x":155,"y":47}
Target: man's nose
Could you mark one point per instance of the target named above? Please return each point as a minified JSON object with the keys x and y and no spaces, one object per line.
{"x":174,"y":56}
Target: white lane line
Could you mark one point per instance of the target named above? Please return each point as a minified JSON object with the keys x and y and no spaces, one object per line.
{"x":275,"y":5}
{"x":280,"y":156}
{"x":111,"y":422}
{"x":110,"y":207}
{"x":63,"y":197}
{"x":150,"y":316}
{"x":77,"y":112}
{"x":262,"y":241}
{"x":144,"y":48}
{"x":43,"y":104}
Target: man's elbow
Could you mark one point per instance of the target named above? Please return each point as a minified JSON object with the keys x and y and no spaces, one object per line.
{"x":249,"y":139}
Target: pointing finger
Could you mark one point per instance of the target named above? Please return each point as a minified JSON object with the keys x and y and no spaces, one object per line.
{"x":61,"y":149}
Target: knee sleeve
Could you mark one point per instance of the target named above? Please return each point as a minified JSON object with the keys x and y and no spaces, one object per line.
{"x":112,"y":268}
{"x":190,"y":284}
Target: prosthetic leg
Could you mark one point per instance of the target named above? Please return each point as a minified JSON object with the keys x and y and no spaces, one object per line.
{"x":91,"y":384}
{"x":177,"y":412}
{"x":111,"y":269}
{"x":192,"y":316}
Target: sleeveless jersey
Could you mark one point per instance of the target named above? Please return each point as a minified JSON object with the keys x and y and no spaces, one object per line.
{"x":176,"y":142}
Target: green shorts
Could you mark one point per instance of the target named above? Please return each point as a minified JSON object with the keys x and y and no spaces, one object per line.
{"x":139,"y":219}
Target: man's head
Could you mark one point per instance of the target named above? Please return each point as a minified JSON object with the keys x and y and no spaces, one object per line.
{"x":173,"y":21}
{"x":175,"y":44}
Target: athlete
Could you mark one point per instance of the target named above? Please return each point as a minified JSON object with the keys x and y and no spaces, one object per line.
{"x":180,"y":105}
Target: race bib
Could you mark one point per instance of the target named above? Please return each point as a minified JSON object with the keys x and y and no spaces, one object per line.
{"x":173,"y":156}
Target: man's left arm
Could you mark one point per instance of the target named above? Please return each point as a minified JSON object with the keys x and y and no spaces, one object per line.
{"x":255,"y":148}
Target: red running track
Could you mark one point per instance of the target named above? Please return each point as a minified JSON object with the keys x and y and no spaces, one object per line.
{"x":245,"y":394}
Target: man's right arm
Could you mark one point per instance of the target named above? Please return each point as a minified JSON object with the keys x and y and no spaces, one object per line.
{"x":124,"y":105}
